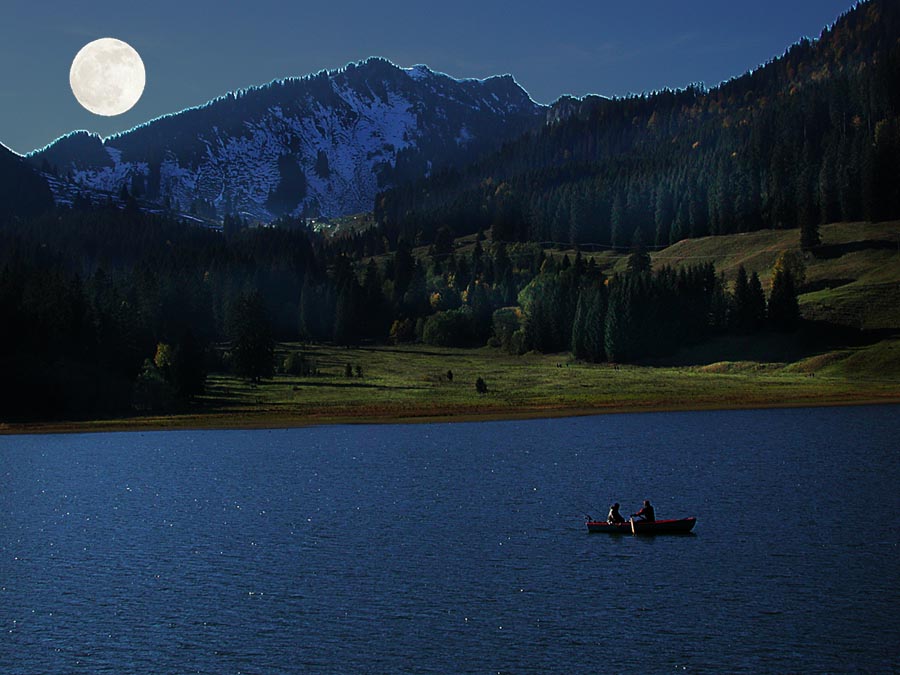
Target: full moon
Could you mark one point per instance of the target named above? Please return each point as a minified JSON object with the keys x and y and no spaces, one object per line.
{"x":107,"y":76}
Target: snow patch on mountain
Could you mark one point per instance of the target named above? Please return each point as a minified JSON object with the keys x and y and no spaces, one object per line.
{"x":110,"y":178}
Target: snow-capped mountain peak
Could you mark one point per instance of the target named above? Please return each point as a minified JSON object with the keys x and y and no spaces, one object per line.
{"x":322,"y":144}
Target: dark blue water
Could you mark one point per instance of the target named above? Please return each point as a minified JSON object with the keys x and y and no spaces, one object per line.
{"x":456,"y":548}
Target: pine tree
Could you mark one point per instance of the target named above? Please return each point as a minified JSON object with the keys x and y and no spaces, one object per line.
{"x":252,"y":346}
{"x":810,"y":238}
{"x":784,"y":311}
{"x":579,"y":228}
{"x":587,"y":327}
{"x":617,"y":330}
{"x":317,"y":305}
{"x":346,"y":314}
{"x":618,"y":220}
{"x":373,"y":318}
{"x":697,"y":211}
{"x":188,"y":366}
{"x":886,"y":171}
{"x":829,"y":201}
{"x":807,"y":218}
{"x":639,"y":260}
{"x":743,"y":310}
{"x":478,"y":257}
{"x":664,"y":216}
{"x":757,"y":299}
{"x":404,"y":267}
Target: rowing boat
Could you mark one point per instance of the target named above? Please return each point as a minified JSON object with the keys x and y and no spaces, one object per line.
{"x":675,"y":526}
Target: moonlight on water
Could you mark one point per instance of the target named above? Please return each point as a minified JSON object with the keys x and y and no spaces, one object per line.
{"x":107,"y":77}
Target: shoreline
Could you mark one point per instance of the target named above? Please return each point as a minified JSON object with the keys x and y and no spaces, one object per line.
{"x":261,"y":420}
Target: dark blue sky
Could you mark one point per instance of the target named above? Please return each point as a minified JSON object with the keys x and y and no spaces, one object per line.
{"x":196,"y":50}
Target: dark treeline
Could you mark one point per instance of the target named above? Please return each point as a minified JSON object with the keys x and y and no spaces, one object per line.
{"x":641,"y":313}
{"x":809,"y":138}
{"x":108,"y":309}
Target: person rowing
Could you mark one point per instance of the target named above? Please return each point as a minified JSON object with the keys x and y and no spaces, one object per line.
{"x":646,"y":513}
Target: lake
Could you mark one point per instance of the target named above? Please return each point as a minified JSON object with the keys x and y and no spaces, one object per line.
{"x":456,"y":548}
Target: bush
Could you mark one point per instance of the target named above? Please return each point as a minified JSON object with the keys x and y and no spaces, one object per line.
{"x":403,"y":330}
{"x":182,"y":365}
{"x":509,"y":331}
{"x":452,"y":328}
{"x":297,"y":364}
{"x":152,"y":392}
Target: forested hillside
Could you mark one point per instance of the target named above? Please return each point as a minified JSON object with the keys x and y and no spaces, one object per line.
{"x":810,"y":137}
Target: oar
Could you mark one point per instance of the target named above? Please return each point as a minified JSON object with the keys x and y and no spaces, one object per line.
{"x":632,"y":526}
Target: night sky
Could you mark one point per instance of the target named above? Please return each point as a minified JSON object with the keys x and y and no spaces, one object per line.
{"x":195,"y":51}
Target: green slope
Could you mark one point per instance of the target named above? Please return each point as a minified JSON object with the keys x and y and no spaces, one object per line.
{"x":853,"y":280}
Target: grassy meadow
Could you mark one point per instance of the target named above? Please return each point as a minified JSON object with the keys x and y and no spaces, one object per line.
{"x":412,"y":382}
{"x":853,"y":282}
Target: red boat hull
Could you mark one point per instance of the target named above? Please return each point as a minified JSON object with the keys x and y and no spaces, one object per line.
{"x":677,"y":526}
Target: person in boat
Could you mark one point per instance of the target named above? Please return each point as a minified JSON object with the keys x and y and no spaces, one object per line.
{"x":646,"y":513}
{"x":614,"y":516}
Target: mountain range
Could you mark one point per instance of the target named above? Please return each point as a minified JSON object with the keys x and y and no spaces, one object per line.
{"x":812,"y":136}
{"x":318,"y":145}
